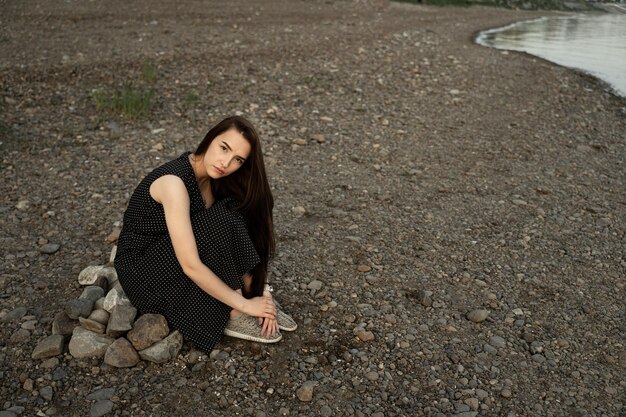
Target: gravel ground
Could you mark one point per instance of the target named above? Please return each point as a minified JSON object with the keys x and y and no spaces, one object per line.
{"x":419,"y":178}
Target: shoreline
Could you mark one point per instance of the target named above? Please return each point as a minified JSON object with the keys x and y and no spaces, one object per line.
{"x":422,"y":182}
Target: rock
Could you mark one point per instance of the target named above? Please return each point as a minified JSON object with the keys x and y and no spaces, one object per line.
{"x":85,"y":343}
{"x":89,"y":275}
{"x":48,"y":347}
{"x":15,"y":314}
{"x":315,"y":285}
{"x":101,"y":394}
{"x":99,"y":305}
{"x":7,"y":413}
{"x":319,"y":138}
{"x":372,"y":375}
{"x":49,"y":248}
{"x":305,"y":392}
{"x":365,"y":335}
{"x":29,"y":324}
{"x":114,"y":298}
{"x":326,"y":411}
{"x":49,"y":363}
{"x":299,"y":210}
{"x":506,"y":393}
{"x":299,"y":142}
{"x":165,"y":350}
{"x":497,"y":341}
{"x":100,"y":315}
{"x":101,"y":408}
{"x":148,"y":329}
{"x":92,"y":325}
{"x":46,"y":393}
{"x":20,"y":336}
{"x":92,"y":293}
{"x":63,"y":325}
{"x":78,"y":308}
{"x":477,"y":316}
{"x":122,"y":319}
{"x":103,"y":283}
{"x":364,"y":268}
{"x":109,"y":273}
{"x":121,"y":354}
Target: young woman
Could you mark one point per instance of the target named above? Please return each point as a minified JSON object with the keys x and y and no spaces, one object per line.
{"x":197,"y":238}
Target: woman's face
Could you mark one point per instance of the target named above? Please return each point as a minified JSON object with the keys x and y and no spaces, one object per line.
{"x":226,"y":154}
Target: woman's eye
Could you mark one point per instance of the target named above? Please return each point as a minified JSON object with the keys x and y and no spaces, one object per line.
{"x":240,"y":161}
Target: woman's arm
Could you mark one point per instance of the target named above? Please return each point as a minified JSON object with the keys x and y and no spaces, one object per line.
{"x":171,"y":192}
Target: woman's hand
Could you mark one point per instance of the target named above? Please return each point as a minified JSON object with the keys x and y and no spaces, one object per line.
{"x":270,"y":325}
{"x":262,"y":307}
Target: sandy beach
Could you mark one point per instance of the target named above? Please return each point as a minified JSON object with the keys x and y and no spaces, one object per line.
{"x":418,"y":178}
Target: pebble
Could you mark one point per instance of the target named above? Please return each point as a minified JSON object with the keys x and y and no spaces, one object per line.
{"x":305,"y":392}
{"x":114,"y":298}
{"x":49,"y":248}
{"x":101,"y":394}
{"x":15,"y":314}
{"x":101,"y":408}
{"x":365,"y":335}
{"x":20,"y":336}
{"x":497,"y":342}
{"x":46,"y":393}
{"x":89,"y":275}
{"x":364,"y":268}
{"x":372,"y":375}
{"x":63,"y":325}
{"x":478,"y":316}
{"x":315,"y":285}
{"x":92,"y":292}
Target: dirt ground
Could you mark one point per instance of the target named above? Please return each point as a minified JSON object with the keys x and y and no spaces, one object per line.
{"x":417,"y":176}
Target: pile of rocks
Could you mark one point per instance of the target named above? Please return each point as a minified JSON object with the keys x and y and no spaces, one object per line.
{"x":101,"y":323}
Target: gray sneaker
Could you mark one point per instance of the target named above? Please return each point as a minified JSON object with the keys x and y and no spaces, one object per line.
{"x":285,"y":321}
{"x":248,"y":328}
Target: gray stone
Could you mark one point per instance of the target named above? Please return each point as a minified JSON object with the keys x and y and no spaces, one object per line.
{"x":49,"y":248}
{"x":15,"y":314}
{"x":101,"y":408}
{"x":92,"y":325}
{"x":7,"y":413}
{"x":326,"y":411}
{"x":46,"y":393}
{"x":78,"y":308}
{"x":315,"y":285}
{"x":121,"y":320}
{"x":100,"y":315}
{"x":92,"y":292}
{"x":103,"y":283}
{"x":85,"y":343}
{"x":305,"y":392}
{"x":497,"y":342}
{"x":114,"y":298}
{"x":63,"y":324}
{"x":110,"y":274}
{"x":99,"y":305}
{"x":148,"y":329}
{"x":20,"y":336}
{"x":477,"y":316}
{"x":121,"y":354}
{"x":48,"y":347}
{"x":538,"y":358}
{"x":165,"y":350}
{"x":101,"y":394}
{"x":89,"y":275}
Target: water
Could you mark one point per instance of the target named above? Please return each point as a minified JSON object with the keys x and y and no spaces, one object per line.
{"x":595,"y":44}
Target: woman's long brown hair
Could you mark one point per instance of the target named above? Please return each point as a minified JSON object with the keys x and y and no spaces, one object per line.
{"x":249,"y":186}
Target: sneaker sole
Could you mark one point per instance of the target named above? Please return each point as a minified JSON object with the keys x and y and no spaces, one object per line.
{"x":244,"y":336}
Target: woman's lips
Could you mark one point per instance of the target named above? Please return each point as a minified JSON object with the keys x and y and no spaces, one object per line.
{"x":219,"y":171}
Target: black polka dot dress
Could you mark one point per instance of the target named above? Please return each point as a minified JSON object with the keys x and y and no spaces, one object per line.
{"x":150,"y":273}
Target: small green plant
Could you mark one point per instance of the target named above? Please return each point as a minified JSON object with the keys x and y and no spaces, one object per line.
{"x":128,"y":101}
{"x":149,"y":72}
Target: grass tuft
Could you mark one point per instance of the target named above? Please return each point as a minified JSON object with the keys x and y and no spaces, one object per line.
{"x":129,"y":101}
